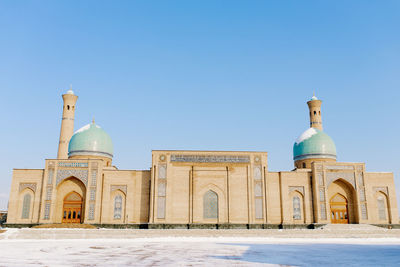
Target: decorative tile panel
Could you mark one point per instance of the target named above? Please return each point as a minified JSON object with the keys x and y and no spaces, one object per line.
{"x":259,"y":208}
{"x":210,"y":205}
{"x":162,"y":171}
{"x":362,"y":194}
{"x":49,"y":193}
{"x":321,"y":194}
{"x":94,"y":178}
{"x":320,"y":178}
{"x":50,"y":176}
{"x":360,"y":179}
{"x":296,"y":208}
{"x":46,"y":211}
{"x":339,"y":167}
{"x":161,"y":208}
{"x":93,"y":194}
{"x":79,"y":174}
{"x":364,"y":215}
{"x":91,"y":211}
{"x":73,"y":164}
{"x":322,"y":211}
{"x":162,"y":189}
{"x":31,"y":186}
{"x":210,"y":158}
{"x":258,"y":189}
{"x":257,"y":173}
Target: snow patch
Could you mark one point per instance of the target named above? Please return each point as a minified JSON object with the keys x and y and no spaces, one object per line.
{"x":86,"y":127}
{"x":306,"y":135}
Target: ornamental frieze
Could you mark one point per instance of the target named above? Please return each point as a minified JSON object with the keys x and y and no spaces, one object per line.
{"x":210,"y":159}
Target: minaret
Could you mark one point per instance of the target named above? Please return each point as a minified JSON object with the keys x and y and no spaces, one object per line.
{"x":315,"y":113}
{"x":67,"y":123}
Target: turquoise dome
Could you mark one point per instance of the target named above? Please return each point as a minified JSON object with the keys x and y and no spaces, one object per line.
{"x":90,"y":140}
{"x":314,"y":143}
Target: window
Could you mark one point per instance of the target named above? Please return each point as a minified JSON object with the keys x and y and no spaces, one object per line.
{"x":304,"y":164}
{"x":118,"y":207}
{"x":68,"y":107}
{"x":26,"y":206}
{"x":296,"y":208}
{"x":381,"y":208}
{"x":210,"y":205}
{"x":315,"y":113}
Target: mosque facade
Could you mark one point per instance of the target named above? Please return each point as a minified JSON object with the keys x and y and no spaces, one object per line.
{"x":199,"y":187}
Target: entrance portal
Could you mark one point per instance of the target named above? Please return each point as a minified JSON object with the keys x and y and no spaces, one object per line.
{"x":72,"y":208}
{"x":339,"y":209}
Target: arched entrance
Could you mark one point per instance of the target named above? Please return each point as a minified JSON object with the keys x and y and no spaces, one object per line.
{"x":339,"y":209}
{"x":72,"y":208}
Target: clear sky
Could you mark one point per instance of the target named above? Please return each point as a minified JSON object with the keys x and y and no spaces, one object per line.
{"x":206,"y":75}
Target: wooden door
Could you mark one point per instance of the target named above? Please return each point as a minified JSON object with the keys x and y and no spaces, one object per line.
{"x":339,"y":209}
{"x":72,"y":208}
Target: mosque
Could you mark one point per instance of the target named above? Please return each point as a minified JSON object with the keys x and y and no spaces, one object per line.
{"x":199,"y":188}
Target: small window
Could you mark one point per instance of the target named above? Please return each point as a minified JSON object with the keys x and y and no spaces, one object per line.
{"x":381,"y":208}
{"x":118,"y":207}
{"x":296,"y":208}
{"x":315,"y":113}
{"x":68,"y":107}
{"x":319,"y":112}
{"x":304,"y":164}
{"x":210,"y":205}
{"x":26,"y":206}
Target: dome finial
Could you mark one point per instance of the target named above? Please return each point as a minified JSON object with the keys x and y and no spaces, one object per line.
{"x":313,"y":96}
{"x":70,"y":92}
{"x":93,"y":120}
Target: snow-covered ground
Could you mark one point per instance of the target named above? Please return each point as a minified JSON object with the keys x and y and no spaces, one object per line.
{"x":218,"y":250}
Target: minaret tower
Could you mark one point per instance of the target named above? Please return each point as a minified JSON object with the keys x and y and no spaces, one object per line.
{"x":315,"y":113}
{"x":67,"y":123}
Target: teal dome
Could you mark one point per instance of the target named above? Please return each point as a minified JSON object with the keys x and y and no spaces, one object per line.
{"x":314,"y":143}
{"x":90,"y":140}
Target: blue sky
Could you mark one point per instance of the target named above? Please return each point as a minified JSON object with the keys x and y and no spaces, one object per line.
{"x":207,"y":75}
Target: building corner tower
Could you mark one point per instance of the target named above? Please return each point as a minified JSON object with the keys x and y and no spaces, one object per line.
{"x":314,"y":106}
{"x":67,"y":123}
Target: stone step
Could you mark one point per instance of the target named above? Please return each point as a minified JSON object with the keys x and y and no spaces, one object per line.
{"x":351,"y":227}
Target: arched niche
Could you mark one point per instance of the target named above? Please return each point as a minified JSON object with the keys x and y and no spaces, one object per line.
{"x":66,"y":187}
{"x":382,"y":208}
{"x":341,"y":187}
{"x":117,"y":207}
{"x":26,"y":204}
{"x":297,"y":207}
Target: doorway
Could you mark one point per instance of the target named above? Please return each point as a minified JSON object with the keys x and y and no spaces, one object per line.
{"x":339,"y":209}
{"x":72,"y":208}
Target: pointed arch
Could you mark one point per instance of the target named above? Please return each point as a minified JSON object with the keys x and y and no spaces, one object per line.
{"x":70,"y":197}
{"x":26,"y":206}
{"x":382,"y":207}
{"x":297,"y":206}
{"x":342,"y":202}
{"x":26,"y":198}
